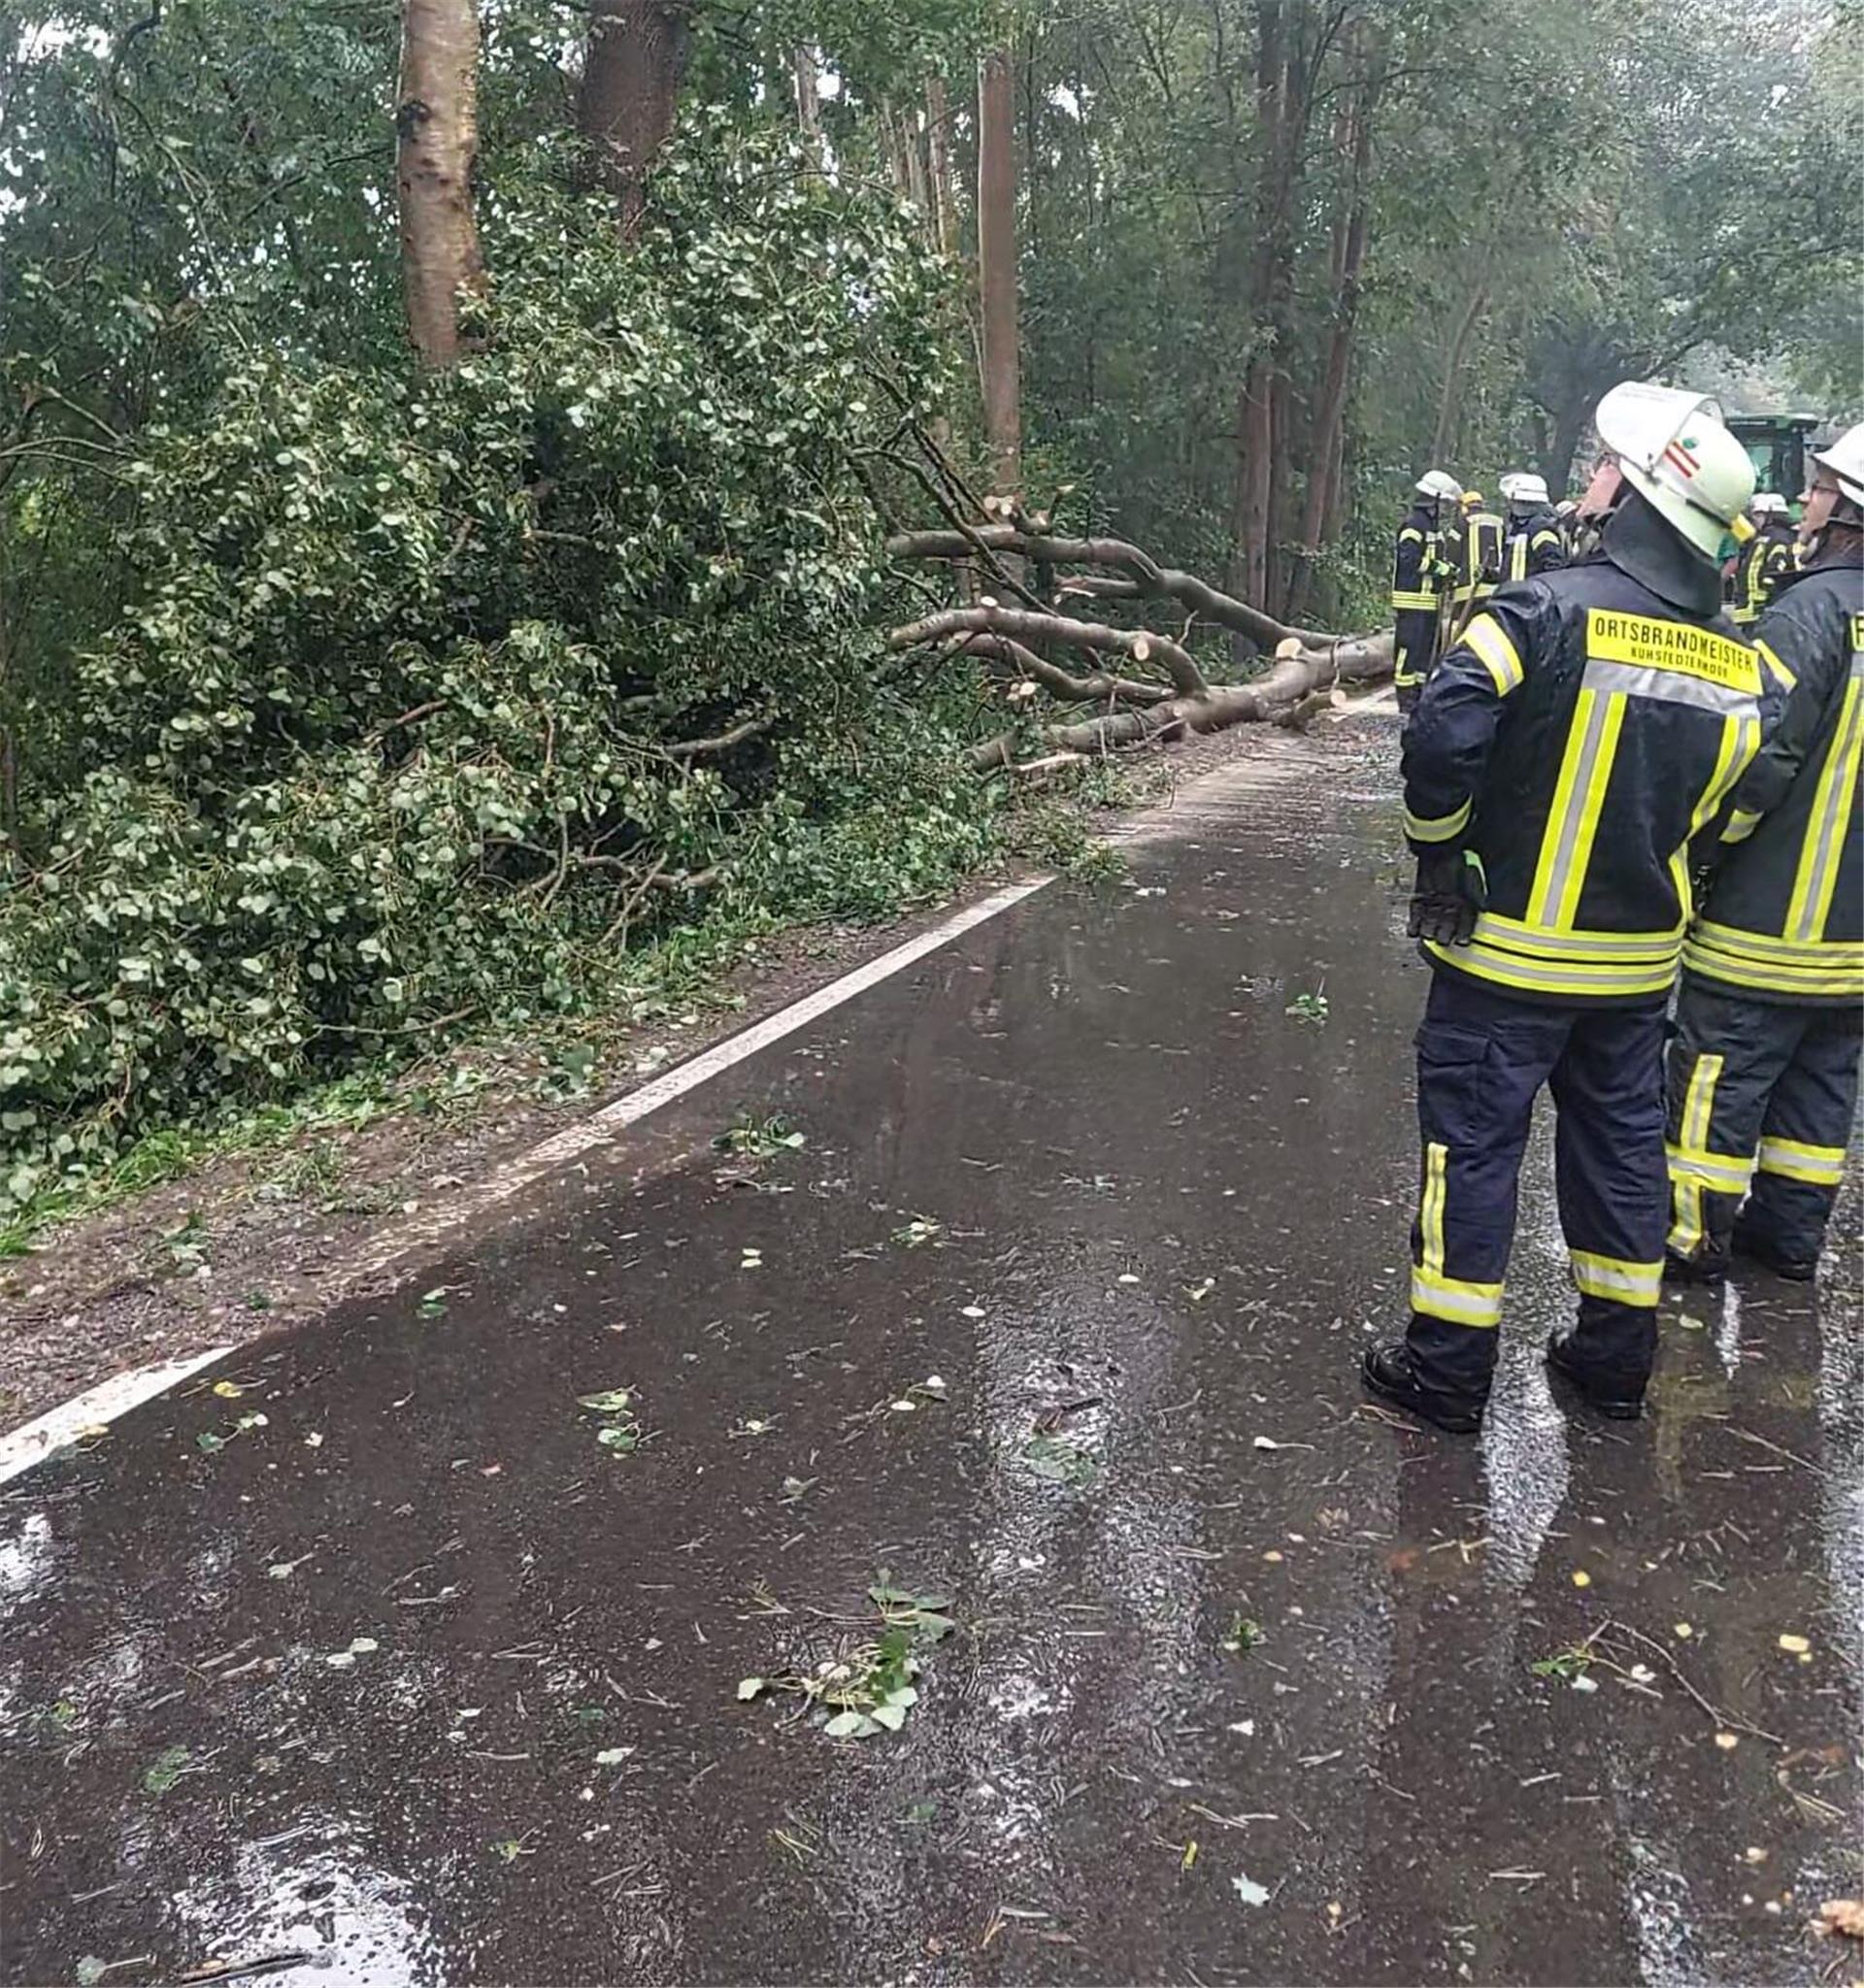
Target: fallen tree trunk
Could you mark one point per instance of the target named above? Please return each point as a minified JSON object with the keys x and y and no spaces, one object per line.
{"x":1020,"y":644}
{"x":1296,"y":677}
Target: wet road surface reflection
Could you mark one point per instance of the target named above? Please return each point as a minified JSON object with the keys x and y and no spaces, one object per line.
{"x":419,"y":1679}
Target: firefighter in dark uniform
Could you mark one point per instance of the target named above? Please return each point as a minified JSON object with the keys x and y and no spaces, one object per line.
{"x":1419,"y":571}
{"x":1764,"y":1062}
{"x":1477,"y":560}
{"x":1562,"y":760}
{"x":1765,"y":561}
{"x":1531,"y":541}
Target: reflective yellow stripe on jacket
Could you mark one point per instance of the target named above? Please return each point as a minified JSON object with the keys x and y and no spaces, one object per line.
{"x":1517,"y":953}
{"x":1817,"y":877}
{"x":1814,"y":969}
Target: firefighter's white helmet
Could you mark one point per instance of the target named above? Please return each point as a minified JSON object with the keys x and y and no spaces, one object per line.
{"x":1844,"y":459}
{"x":1440,"y":487}
{"x":1769,"y":504}
{"x":1672,"y":448}
{"x":1525,"y":488}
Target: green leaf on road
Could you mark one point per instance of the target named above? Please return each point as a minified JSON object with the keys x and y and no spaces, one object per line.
{"x":165,"y":1770}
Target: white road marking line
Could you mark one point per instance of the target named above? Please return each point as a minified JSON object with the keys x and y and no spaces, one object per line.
{"x":709,"y":1063}
{"x":35,"y":1441}
{"x":421,"y":1231}
{"x":27,"y":1446}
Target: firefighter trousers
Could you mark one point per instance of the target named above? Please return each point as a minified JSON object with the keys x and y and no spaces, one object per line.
{"x":1413,"y":651}
{"x":1481,"y":1060}
{"x":1761,"y":1100}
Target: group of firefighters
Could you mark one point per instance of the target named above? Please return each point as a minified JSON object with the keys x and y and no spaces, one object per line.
{"x":1454,"y":552}
{"x":1637,"y":820}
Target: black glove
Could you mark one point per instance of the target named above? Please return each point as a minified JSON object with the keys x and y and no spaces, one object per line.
{"x":1450,"y":890}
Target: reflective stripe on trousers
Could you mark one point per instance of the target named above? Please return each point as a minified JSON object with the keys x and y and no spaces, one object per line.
{"x":1761,"y":1100}
{"x":1481,"y":1060}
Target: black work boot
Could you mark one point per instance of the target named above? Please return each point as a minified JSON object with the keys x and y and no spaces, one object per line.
{"x":1759,"y":1247}
{"x":1392,"y":1374}
{"x":1708,"y":1265}
{"x":1611,"y":1391}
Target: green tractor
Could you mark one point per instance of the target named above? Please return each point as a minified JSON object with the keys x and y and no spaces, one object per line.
{"x":1777,"y":445}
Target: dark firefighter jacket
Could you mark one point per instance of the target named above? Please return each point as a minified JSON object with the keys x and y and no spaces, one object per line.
{"x":1480,"y":564}
{"x":1764,"y":564}
{"x":1582,"y":741}
{"x":1533,"y":546}
{"x":1417,"y":567}
{"x":1785,"y":919}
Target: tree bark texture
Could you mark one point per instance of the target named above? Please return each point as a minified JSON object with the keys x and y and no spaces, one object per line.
{"x":808,"y":95}
{"x":436,"y":134}
{"x":937,"y":143}
{"x":631,"y":75}
{"x":997,"y":265}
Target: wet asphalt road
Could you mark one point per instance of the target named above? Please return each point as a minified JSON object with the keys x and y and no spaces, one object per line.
{"x":1085,"y":1169}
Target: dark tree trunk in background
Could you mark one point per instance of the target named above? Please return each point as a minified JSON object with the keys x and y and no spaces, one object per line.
{"x":1569,"y":367}
{"x":631,"y":75}
{"x":1569,"y":431}
{"x":437,"y":133}
{"x":997,"y":266}
{"x":1284,"y":67}
{"x":1326,"y":446}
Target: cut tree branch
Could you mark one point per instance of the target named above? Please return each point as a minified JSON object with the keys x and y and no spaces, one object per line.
{"x":1099,"y":688}
{"x":1129,"y":561}
{"x":1022,"y":626}
{"x":706,"y":748}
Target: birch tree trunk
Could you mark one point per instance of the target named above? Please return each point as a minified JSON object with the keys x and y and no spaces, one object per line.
{"x":436,"y":134}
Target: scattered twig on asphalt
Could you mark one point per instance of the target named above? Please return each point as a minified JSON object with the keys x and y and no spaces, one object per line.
{"x":1791,"y":1455}
{"x":1229,"y":1821}
{"x":1724,"y":1722}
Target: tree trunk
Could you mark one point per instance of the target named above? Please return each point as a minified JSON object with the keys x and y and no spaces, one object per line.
{"x":1283,"y":444}
{"x":1569,"y":428}
{"x":917,"y":181}
{"x":631,"y":76}
{"x":1283,"y":83}
{"x":1326,"y":451}
{"x":808,"y":101}
{"x":437,"y":133}
{"x":939,"y":155}
{"x":1444,"y":437}
{"x":997,"y":266}
{"x":808,"y":96}
{"x":1291,"y":681}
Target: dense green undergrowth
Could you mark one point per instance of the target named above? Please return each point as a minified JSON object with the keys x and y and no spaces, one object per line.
{"x":438,"y":704}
